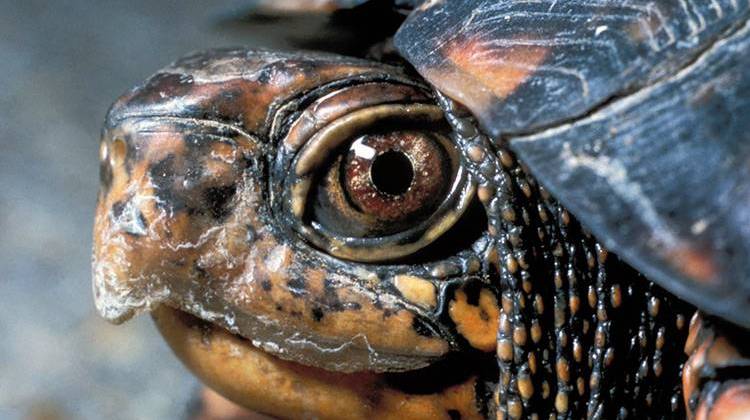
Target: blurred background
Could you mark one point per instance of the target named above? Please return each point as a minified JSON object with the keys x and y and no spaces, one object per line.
{"x":62,"y":62}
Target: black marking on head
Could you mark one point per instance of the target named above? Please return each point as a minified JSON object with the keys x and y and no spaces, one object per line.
{"x":379,"y":305}
{"x":331,"y":298}
{"x":472,"y":290}
{"x":266,"y":285}
{"x":250,"y":235}
{"x":117,"y":208}
{"x":105,"y":176}
{"x":422,"y":328}
{"x":162,"y":176}
{"x":317,"y":314}
{"x":265,"y":74}
{"x":217,"y":200}
{"x":454,"y":414}
{"x":297,"y":286}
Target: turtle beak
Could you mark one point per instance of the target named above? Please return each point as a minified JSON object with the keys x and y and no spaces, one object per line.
{"x":183,"y":220}
{"x":165,"y":195}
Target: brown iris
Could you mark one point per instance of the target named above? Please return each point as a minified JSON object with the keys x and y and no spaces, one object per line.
{"x":396,"y":176}
{"x":384,"y":183}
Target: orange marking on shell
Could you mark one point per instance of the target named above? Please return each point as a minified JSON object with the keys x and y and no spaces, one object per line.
{"x":499,"y":70}
{"x":478,"y":324}
{"x":481,"y":74}
{"x":693,"y":263}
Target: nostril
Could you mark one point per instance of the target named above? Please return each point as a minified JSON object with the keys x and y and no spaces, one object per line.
{"x":117,"y":151}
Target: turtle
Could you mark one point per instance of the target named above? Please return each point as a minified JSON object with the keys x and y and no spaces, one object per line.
{"x":509,"y":209}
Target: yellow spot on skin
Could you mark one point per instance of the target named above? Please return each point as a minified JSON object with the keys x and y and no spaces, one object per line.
{"x":563,"y":371}
{"x":507,"y":303}
{"x":511,"y":264}
{"x":653,"y":306}
{"x":532,"y":363}
{"x":504,"y":323}
{"x":476,"y":154}
{"x":505,"y":350}
{"x":478,"y":324}
{"x":565,"y":217}
{"x":561,"y":402}
{"x":609,"y":357}
{"x":680,"y":322}
{"x":600,"y":340}
{"x":485,"y":194}
{"x":525,"y":387}
{"x":575,"y":303}
{"x":416,"y":290}
{"x":515,"y":409}
{"x":526,"y":285}
{"x":538,"y":304}
{"x":519,"y":335}
{"x":616,"y":297}
{"x":505,"y":158}
{"x":509,"y":214}
{"x":602,"y":255}
{"x":536,"y":332}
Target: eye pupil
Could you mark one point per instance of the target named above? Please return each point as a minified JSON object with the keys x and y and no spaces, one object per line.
{"x":392,"y":172}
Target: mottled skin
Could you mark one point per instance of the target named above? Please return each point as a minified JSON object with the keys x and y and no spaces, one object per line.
{"x":217,"y":212}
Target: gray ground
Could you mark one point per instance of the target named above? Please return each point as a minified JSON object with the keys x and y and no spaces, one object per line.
{"x":61,"y":64}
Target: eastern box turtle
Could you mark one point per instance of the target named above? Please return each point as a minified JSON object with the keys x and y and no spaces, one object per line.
{"x":510,"y":209}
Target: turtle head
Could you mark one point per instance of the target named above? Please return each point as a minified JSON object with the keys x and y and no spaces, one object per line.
{"x":284,"y":214}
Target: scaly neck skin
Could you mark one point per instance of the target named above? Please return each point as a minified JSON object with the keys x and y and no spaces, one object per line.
{"x":580,"y":332}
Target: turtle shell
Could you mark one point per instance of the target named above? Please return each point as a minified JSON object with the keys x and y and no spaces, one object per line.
{"x":633,"y":114}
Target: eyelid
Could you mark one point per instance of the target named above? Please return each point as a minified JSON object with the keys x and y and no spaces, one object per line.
{"x":318,"y":135}
{"x":341,"y":102}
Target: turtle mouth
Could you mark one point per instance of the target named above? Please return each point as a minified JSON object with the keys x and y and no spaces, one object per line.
{"x":259,"y":380}
{"x":345,"y":354}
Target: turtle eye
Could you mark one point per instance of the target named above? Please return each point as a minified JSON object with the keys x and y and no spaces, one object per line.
{"x":378,"y":183}
{"x":382,"y":183}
